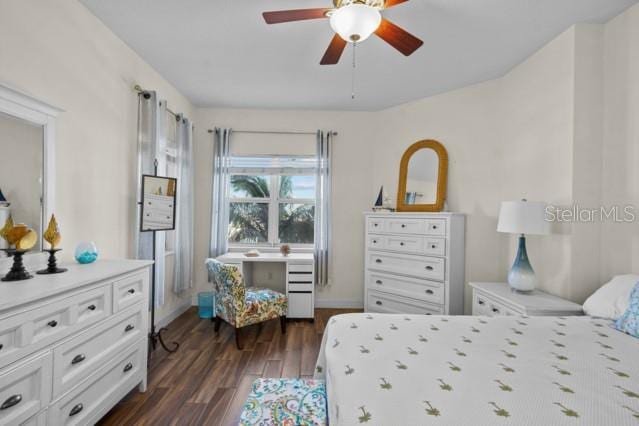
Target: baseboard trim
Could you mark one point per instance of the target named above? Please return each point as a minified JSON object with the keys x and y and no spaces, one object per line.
{"x":339,"y":304}
{"x":169,"y":318}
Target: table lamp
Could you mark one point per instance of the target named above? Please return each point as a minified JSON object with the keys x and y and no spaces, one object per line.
{"x":523,"y":217}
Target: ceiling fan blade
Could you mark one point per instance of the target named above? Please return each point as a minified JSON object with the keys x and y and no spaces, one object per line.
{"x":280,"y":16}
{"x":334,"y":51}
{"x":391,"y":3}
{"x":398,"y":38}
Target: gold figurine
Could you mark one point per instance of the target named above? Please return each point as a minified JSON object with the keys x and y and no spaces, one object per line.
{"x":52,"y":234}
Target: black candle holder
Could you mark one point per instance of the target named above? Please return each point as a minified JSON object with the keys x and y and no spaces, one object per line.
{"x":17,"y":271}
{"x":52,"y":265}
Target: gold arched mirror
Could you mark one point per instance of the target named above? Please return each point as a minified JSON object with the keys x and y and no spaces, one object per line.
{"x":423,"y":174}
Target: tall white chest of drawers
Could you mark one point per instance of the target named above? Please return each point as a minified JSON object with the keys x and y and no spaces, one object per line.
{"x":414,"y":263}
{"x":73,"y":344}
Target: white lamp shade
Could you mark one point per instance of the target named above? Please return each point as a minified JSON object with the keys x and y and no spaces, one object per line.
{"x":355,"y":22}
{"x":523,"y":217}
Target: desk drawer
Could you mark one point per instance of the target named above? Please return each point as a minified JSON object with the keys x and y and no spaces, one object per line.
{"x":130,"y":290}
{"x":76,"y":359}
{"x":418,"y":266}
{"x":27,"y":332}
{"x":85,"y":403}
{"x":300,"y":305}
{"x":386,"y":303}
{"x":25,"y":390}
{"x":430,"y":291}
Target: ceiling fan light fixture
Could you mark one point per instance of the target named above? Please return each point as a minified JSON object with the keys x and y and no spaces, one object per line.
{"x":355,"y":22}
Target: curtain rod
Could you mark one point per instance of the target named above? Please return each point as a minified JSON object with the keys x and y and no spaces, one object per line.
{"x":272,"y":132}
{"x":140,"y":90}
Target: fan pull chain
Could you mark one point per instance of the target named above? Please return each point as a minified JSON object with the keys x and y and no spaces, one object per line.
{"x":353,"y":72}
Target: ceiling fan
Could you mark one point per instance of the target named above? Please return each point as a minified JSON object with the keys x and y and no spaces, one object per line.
{"x":353,"y":21}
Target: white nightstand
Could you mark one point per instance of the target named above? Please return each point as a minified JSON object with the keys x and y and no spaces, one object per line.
{"x":493,"y":299}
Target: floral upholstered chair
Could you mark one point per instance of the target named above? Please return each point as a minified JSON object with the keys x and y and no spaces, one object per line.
{"x":241,"y":306}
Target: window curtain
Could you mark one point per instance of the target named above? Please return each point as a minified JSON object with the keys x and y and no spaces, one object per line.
{"x":323,"y":207}
{"x":219,"y":206}
{"x":183,"y":271}
{"x":152,"y":127}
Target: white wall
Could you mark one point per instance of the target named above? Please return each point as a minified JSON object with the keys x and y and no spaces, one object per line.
{"x":537,"y":132}
{"x":620,"y":183}
{"x":61,"y":53}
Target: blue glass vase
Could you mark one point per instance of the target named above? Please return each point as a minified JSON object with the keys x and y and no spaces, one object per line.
{"x":86,"y":252}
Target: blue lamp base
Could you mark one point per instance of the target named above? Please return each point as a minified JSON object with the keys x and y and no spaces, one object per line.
{"x":521,"y":276}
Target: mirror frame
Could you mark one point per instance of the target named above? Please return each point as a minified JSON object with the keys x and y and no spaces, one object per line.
{"x":21,"y":105}
{"x":442,"y":177}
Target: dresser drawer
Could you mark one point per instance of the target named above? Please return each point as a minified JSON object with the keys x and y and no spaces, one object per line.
{"x":39,"y":419}
{"x":430,"y":291}
{"x":486,"y":306}
{"x":27,"y":332}
{"x":129,"y":290}
{"x":78,"y":358}
{"x":25,"y":390}
{"x":418,"y":266}
{"x":411,"y":244}
{"x":87,"y":402}
{"x":407,"y":225}
{"x":386,"y":303}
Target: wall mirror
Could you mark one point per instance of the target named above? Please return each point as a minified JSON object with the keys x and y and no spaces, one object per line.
{"x":27,"y":131}
{"x":423,"y":175}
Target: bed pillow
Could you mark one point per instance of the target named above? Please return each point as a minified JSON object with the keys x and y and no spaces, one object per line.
{"x":629,"y":321}
{"x":612,"y":299}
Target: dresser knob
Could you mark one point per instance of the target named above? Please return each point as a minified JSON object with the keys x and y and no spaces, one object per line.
{"x":127,"y":367}
{"x":374,"y":241}
{"x":429,"y":291}
{"x":1,"y":346}
{"x":11,"y":401}
{"x":378,"y":282}
{"x":434,"y":226}
{"x":433,"y":246}
{"x":379,"y":303}
{"x":131,"y":291}
{"x":378,"y":260}
{"x":76,"y":410}
{"x":403,"y":225}
{"x":91,"y":307}
{"x":128,"y":328}
{"x":52,"y":323}
{"x":480,"y":302}
{"x":401,"y":244}
{"x":495,"y":310}
{"x":78,"y":359}
{"x":429,"y":268}
{"x":375,"y":225}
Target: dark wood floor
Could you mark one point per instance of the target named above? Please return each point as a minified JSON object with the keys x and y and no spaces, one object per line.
{"x":207,"y":381}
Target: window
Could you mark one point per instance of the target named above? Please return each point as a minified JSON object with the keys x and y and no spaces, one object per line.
{"x":271,"y":201}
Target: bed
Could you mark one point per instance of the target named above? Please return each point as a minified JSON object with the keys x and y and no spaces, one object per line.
{"x":407,"y":370}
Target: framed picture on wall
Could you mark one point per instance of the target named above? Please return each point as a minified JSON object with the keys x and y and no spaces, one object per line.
{"x":158,"y":203}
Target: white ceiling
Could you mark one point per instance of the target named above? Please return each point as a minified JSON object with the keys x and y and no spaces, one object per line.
{"x":221,"y":53}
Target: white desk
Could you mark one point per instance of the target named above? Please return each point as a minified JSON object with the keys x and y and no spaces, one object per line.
{"x":300,"y":274}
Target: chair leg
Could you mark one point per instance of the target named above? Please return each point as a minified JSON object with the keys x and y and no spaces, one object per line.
{"x":283,"y":323}
{"x":218,"y":321}
{"x":238,"y":336}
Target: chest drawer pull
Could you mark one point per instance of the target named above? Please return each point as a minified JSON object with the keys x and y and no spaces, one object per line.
{"x":52,"y":323}
{"x":401,"y":244}
{"x":495,"y":310}
{"x":11,"y":401}
{"x":378,"y":282}
{"x":379,"y":302}
{"x":76,"y":410}
{"x":128,"y":328}
{"x":127,"y":367}
{"x":434,"y":226}
{"x":374,"y":241}
{"x":1,"y":346}
{"x":429,"y":268}
{"x":375,"y":225}
{"x":91,"y":307}
{"x":78,"y":359}
{"x":429,"y":291}
{"x":132,"y":291}
{"x":433,"y":246}
{"x":378,"y":260}
{"x":480,"y":302}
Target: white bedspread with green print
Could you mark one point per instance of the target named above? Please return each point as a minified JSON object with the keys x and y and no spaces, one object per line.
{"x":430,"y":370}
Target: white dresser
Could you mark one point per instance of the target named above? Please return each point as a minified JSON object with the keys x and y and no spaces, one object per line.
{"x":73,"y":344}
{"x":414,"y":263}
